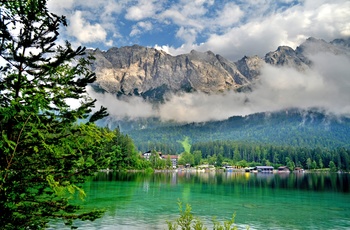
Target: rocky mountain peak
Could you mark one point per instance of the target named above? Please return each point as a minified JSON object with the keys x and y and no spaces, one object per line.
{"x":285,"y":56}
{"x":250,"y":67}
{"x":152,"y":73}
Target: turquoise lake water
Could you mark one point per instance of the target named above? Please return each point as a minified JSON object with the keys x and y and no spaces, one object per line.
{"x":260,"y":201}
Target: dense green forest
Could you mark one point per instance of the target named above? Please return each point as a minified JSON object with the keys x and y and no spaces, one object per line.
{"x":294,"y":128}
{"x":309,"y":139}
{"x":121,"y":152}
{"x":248,"y":154}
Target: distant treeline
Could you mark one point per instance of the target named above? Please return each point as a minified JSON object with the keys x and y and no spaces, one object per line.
{"x":308,"y":158}
{"x":309,"y":139}
{"x":288,"y":128}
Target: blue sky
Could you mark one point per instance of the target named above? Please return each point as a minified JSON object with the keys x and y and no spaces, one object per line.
{"x":230,"y":28}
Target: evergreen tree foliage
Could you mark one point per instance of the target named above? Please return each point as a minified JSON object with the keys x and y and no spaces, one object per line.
{"x":332,"y":167}
{"x":45,"y":152}
{"x":295,"y":128}
{"x":197,"y":155}
{"x":122,"y":150}
{"x":168,"y":162}
{"x":257,"y":154}
{"x":186,"y":158}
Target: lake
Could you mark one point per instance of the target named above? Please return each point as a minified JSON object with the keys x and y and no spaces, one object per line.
{"x":259,"y":200}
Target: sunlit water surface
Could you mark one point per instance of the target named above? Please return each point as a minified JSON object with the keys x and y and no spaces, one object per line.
{"x":260,"y":201}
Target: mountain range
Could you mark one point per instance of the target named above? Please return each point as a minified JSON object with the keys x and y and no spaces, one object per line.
{"x":152,"y":73}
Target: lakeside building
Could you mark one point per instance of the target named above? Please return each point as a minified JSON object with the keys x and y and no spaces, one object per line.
{"x":264,"y":169}
{"x":147,"y":155}
{"x":173,"y":158}
{"x":298,"y":170}
{"x":283,"y":169}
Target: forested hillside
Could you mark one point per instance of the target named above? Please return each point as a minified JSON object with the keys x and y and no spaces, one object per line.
{"x":294,"y":128}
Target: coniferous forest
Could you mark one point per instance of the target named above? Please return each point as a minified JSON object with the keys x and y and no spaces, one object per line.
{"x":295,"y":137}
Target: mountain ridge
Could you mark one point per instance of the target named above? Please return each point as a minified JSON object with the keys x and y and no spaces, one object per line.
{"x":152,"y":74}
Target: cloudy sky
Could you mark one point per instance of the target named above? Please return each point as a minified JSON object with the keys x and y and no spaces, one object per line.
{"x":230,"y":28}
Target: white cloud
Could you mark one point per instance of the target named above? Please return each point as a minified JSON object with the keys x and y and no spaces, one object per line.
{"x":144,"y":9}
{"x":187,"y":34}
{"x":230,"y":14}
{"x":84,"y":31}
{"x":131,"y":107}
{"x":185,"y":48}
{"x":98,"y":16}
{"x":60,"y":6}
{"x":332,"y":20}
{"x":189,"y":17}
{"x":181,"y":18}
{"x":140,"y":28}
{"x":199,"y":107}
{"x":253,"y":38}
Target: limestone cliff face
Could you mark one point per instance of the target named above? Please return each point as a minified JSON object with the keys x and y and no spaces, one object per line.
{"x":148,"y":72}
{"x":151,"y":73}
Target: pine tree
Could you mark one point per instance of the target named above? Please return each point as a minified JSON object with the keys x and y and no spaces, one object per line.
{"x":46,"y":149}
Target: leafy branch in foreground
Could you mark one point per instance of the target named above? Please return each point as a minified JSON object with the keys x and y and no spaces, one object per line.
{"x":188,"y":221}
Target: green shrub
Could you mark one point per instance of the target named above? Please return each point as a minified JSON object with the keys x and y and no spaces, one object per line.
{"x":187,"y":221}
{"x":149,"y":170}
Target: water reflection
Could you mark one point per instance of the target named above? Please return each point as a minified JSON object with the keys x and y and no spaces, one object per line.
{"x":135,"y":200}
{"x":302,"y":181}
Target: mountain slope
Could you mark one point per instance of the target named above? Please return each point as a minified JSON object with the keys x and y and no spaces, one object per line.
{"x":288,"y":128}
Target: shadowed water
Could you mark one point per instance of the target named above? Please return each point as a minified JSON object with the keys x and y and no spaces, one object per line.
{"x":260,"y":201}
